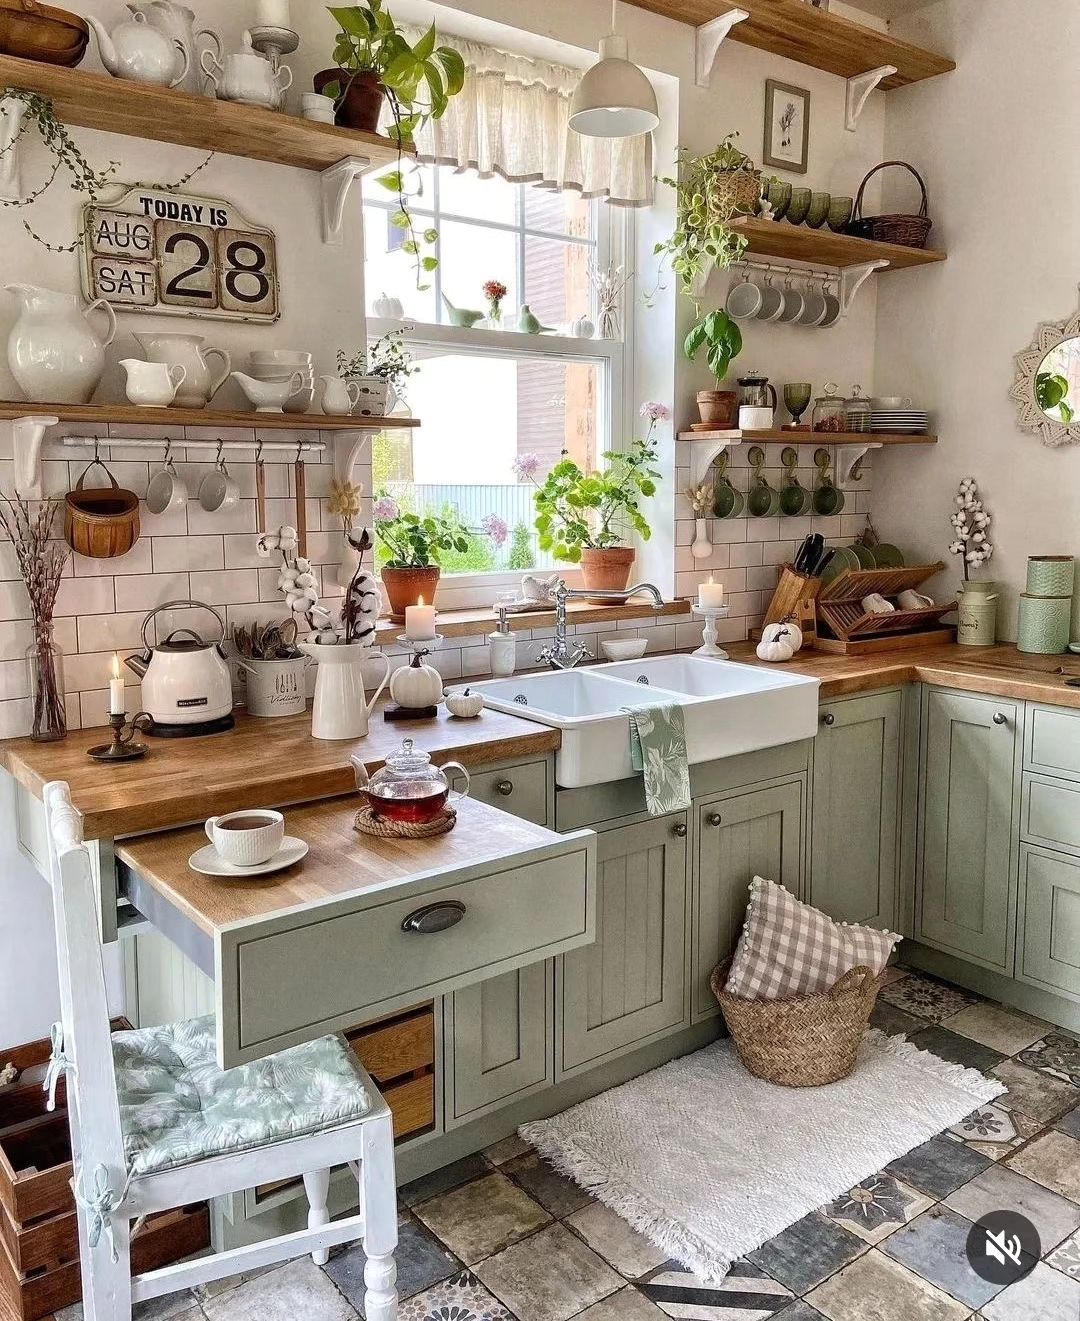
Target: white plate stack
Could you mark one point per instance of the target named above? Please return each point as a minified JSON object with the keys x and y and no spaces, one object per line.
{"x":899,"y":417}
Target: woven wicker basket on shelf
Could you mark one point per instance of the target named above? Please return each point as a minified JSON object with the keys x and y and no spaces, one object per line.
{"x":903,"y":228}
{"x":806,"y":1041}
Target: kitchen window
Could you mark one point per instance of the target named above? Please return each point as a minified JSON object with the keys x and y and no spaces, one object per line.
{"x":494,"y":403}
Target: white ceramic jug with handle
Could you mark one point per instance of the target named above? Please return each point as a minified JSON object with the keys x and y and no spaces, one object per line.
{"x":176,"y":349}
{"x":342,"y":707}
{"x":54,"y":352}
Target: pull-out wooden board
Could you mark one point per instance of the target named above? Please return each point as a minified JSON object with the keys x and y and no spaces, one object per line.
{"x":321,"y":946}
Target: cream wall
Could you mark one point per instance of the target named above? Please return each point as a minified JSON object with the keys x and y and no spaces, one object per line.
{"x":997,"y":139}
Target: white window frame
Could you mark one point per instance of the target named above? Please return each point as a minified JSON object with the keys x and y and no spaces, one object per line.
{"x":615,"y":241}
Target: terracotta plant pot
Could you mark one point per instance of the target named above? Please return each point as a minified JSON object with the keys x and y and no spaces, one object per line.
{"x":405,"y":587}
{"x":606,"y":570}
{"x":361,"y":104}
{"x":719,"y":408}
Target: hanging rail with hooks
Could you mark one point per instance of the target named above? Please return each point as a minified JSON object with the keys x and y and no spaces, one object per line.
{"x":848,"y":279}
{"x":214,"y":447}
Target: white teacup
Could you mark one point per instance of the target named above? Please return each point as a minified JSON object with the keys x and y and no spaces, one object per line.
{"x":247,"y":838}
{"x":152,"y":384}
{"x":911,"y":600}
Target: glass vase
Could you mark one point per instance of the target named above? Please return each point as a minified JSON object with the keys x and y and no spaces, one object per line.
{"x":45,"y":662}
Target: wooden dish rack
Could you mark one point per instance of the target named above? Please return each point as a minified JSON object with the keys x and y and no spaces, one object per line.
{"x":845,"y":627}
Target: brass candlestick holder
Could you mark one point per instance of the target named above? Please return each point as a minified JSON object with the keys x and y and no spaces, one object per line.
{"x":123,"y":746}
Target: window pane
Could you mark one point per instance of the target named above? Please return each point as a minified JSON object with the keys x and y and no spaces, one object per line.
{"x":556,"y":280}
{"x":470,"y":256}
{"x":480,"y":199}
{"x":557,"y":213}
{"x":461,"y":460}
{"x":389,"y":271}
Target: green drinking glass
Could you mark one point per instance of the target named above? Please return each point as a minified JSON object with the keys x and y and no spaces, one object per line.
{"x":797,"y":398}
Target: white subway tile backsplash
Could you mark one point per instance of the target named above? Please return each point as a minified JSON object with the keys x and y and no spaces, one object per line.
{"x":137,"y":560}
{"x":179,"y":554}
{"x":116,"y":632}
{"x":239,"y":519}
{"x":15,"y":718}
{"x":145,"y":591}
{"x":226,"y":586}
{"x":14,"y":679}
{"x":87,"y":596}
{"x":14,"y":603}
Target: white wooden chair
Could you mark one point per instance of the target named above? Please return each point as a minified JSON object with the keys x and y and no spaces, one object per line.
{"x":110,"y":1193}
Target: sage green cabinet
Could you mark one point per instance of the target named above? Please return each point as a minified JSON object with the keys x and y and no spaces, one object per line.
{"x":1049,"y":935}
{"x":854,"y":855}
{"x":630,"y":985}
{"x":758,"y":832}
{"x":968,"y":847}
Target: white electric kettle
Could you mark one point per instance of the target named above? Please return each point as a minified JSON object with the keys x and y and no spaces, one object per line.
{"x":186,"y":687}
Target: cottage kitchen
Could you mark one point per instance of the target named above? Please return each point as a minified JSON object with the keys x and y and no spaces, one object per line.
{"x":540,"y":669}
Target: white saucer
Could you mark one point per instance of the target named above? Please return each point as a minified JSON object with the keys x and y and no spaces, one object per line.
{"x":208,"y":861}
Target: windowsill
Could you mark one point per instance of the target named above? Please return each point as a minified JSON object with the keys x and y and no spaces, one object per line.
{"x":463,"y":623}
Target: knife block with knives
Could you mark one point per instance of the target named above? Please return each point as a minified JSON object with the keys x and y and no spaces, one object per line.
{"x":796,"y":592}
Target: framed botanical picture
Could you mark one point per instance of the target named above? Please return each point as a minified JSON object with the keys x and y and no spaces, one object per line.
{"x":787,"y":126}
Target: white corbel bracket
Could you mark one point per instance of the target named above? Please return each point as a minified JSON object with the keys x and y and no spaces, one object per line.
{"x":708,"y":39}
{"x":28,"y":433}
{"x":346,"y":450}
{"x":858,"y":93}
{"x":852,"y":279}
{"x":706,"y":450}
{"x":334,"y":185}
{"x":849,"y":459}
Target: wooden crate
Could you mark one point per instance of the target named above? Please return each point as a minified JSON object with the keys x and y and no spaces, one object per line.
{"x":399,"y":1053}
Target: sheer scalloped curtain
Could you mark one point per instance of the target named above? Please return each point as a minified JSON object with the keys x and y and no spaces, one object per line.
{"x":511,"y":119}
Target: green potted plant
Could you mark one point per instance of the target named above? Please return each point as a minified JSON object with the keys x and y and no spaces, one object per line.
{"x":380,"y":370}
{"x":585,"y":517}
{"x":412,"y":545}
{"x":722,"y":341}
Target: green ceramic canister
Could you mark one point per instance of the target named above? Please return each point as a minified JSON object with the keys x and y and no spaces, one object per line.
{"x":1050,"y":575}
{"x":1044,"y":623}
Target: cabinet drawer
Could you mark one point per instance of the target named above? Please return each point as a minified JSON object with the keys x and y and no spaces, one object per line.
{"x":522,"y":790}
{"x":1050,"y":909}
{"x":1051,"y":812}
{"x":1054,"y":741}
{"x":396,"y":1049}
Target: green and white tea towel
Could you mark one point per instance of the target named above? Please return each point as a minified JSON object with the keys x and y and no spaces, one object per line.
{"x":658,"y":750}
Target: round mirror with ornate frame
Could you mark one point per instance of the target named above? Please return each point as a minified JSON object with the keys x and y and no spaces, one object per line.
{"x":1047,"y":385}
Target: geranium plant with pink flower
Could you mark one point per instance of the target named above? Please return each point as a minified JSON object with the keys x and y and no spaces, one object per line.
{"x":415,"y":540}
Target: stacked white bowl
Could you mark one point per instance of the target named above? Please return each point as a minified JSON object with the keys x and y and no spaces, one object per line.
{"x":279,"y":365}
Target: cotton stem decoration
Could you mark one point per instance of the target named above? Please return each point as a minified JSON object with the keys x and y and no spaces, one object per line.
{"x":297,"y":582}
{"x":971,"y":523}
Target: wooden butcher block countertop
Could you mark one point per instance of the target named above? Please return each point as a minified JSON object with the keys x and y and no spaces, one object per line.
{"x":259,"y":763}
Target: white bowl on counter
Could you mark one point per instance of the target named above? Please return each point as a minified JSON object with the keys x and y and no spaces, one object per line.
{"x":624,"y":649}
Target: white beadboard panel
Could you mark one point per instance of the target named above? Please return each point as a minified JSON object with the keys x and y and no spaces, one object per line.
{"x":180,"y":554}
{"x":225,"y":587}
{"x":145,"y":591}
{"x":116,"y":632}
{"x":137,"y":560}
{"x":86,"y":596}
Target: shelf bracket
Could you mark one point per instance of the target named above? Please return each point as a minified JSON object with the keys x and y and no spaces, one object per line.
{"x":852,"y":279}
{"x":708,"y":39}
{"x":849,"y":459}
{"x":27,"y":436}
{"x":12,"y":113}
{"x":346,"y":450}
{"x":334,"y":185}
{"x":706,"y":450}
{"x":858,"y":93}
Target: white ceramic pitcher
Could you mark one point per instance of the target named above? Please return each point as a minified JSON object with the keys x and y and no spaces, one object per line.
{"x":177,"y":349}
{"x":342,"y":708}
{"x":54,"y":352}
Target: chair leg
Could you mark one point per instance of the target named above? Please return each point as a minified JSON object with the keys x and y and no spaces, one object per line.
{"x":378,"y":1198}
{"x":106,"y":1284}
{"x":317,"y":1187}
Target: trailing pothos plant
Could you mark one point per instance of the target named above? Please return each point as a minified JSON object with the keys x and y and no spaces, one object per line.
{"x":419,"y":80}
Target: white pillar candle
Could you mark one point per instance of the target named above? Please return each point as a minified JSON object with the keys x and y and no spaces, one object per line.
{"x":117,"y":705}
{"x":420,"y":622}
{"x":711,"y":595}
{"x":272,"y":14}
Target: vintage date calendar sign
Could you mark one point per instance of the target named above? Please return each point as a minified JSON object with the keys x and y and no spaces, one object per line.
{"x":174,"y":253}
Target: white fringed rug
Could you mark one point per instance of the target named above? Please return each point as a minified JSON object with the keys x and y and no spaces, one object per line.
{"x":709,"y":1162}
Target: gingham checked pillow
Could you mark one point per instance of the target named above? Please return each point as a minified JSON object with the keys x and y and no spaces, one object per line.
{"x":788,"y":948}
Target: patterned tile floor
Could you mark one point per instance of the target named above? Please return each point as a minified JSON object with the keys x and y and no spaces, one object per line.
{"x":502,"y":1237}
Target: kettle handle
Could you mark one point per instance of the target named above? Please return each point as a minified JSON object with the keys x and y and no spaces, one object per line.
{"x":456,"y":795}
{"x":173,"y":605}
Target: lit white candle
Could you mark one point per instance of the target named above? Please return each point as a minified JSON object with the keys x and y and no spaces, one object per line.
{"x":420,"y":622}
{"x":272,"y":14}
{"x":711,"y":595}
{"x":117,"y":706}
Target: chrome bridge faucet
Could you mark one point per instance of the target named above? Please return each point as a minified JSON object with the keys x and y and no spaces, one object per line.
{"x":558,"y":653}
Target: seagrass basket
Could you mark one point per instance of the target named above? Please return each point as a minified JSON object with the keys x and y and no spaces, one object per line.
{"x":806,"y":1041}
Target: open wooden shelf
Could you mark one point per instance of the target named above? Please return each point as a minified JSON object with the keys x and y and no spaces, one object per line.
{"x":140,"y":110}
{"x":821,"y":247}
{"x":129,"y":414}
{"x":779,"y":437}
{"x":811,"y":36}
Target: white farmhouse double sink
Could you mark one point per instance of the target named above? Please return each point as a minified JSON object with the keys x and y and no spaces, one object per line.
{"x":727,"y":709}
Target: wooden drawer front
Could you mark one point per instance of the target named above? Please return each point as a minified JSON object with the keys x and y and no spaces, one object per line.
{"x":1054,"y":741}
{"x":1051,"y":813}
{"x":395,"y":1050}
{"x":412,"y":1104}
{"x":522,"y":790}
{"x":1050,"y":908}
{"x":326,"y":967}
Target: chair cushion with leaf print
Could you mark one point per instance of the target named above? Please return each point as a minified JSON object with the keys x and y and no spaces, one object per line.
{"x":177,"y":1106}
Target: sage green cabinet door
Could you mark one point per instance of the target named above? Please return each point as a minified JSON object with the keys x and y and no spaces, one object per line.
{"x":1049,"y":940}
{"x":965,"y":897}
{"x":629,"y":985}
{"x":854,"y":853}
{"x":739,"y":836}
{"x":500,"y":1041}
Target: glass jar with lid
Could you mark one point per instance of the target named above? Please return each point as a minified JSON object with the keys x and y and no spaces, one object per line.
{"x":830,"y":411}
{"x":857,"y":410}
{"x":410,"y":789}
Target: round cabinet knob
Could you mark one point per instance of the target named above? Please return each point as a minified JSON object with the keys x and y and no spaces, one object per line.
{"x":714,"y":819}
{"x":1000,"y":718}
{"x":828,"y":718}
{"x":679,"y":830}
{"x":504,"y":787}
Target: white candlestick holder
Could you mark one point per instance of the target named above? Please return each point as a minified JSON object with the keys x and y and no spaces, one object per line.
{"x":710,"y":614}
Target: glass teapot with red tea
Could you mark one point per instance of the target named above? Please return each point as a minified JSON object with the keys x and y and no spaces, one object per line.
{"x":409,"y":788}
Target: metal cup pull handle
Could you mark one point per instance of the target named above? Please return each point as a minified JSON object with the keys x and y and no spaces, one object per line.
{"x":432,"y":918}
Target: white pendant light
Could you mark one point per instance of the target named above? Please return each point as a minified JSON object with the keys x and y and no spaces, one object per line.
{"x":614,"y":98}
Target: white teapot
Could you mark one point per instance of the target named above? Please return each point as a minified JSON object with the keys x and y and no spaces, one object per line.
{"x":247,"y":77}
{"x":139,"y":52}
{"x":177,"y":21}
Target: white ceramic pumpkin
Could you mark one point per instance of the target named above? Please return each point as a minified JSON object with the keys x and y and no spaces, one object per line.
{"x":788,"y":630}
{"x":416,"y":685}
{"x":387,"y":307}
{"x":465,"y":705}
{"x":775,"y":647}
{"x":583,"y":328}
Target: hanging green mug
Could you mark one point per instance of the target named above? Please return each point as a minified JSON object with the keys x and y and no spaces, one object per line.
{"x":828,"y":498}
{"x":762,"y":500}
{"x":728,"y":501}
{"x":794,"y":497}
